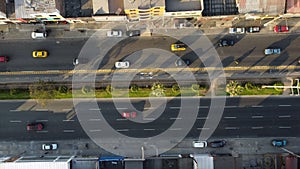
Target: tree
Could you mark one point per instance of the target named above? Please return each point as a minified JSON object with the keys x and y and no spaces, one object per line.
{"x":234,"y":88}
{"x":42,"y":91}
{"x":158,"y":89}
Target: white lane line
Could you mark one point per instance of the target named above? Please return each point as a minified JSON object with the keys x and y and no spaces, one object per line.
{"x":149,"y":119}
{"x":15,"y":121}
{"x":231,"y":106}
{"x":284,"y":127}
{"x":231,"y":128}
{"x":149,"y":129}
{"x":202,"y":128}
{"x":202,"y":118}
{"x":41,"y":109}
{"x":174,"y":107}
{"x":201,"y":107}
{"x":68,"y":131}
{"x":94,"y":119}
{"x":95,"y":109}
{"x":230,"y":117}
{"x":175,"y":118}
{"x":257,"y":106}
{"x":175,"y":129}
{"x":255,"y":128}
{"x":14,"y":110}
{"x":68,"y":120}
{"x":120,"y":130}
{"x":66,"y":109}
{"x":41,"y":120}
{"x":257,"y":117}
{"x":42,"y":131}
{"x":121,"y":119}
{"x":148,"y":108}
{"x":96,"y":130}
{"x":284,"y":105}
{"x":285,"y":116}
{"x":122,"y":108}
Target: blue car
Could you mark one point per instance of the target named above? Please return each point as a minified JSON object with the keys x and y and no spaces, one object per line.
{"x":272,"y":51}
{"x":279,"y":143}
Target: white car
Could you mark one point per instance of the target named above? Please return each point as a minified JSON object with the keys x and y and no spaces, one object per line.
{"x":49,"y":146}
{"x":122,"y":65}
{"x":236,"y":30}
{"x":199,"y":144}
{"x":38,"y":35}
{"x":114,"y":33}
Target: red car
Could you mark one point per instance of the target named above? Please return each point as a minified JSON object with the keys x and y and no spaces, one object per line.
{"x":3,"y":59}
{"x":129,"y":114}
{"x":279,"y":28}
{"x":35,"y":126}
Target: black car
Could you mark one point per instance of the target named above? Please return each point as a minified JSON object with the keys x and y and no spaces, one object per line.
{"x":226,"y":42}
{"x":131,"y":33}
{"x":217,"y":144}
{"x":182,"y":62}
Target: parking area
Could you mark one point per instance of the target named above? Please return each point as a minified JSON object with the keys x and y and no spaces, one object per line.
{"x":219,"y":7}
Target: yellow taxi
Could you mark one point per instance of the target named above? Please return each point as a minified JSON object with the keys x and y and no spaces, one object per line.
{"x":178,"y":47}
{"x":39,"y":54}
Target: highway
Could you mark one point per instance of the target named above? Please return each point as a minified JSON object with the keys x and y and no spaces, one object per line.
{"x":242,"y":118}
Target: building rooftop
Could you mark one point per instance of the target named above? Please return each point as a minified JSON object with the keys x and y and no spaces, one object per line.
{"x":269,"y":7}
{"x":293,"y":6}
{"x":184,"y":5}
{"x":142,"y":4}
{"x":23,"y":8}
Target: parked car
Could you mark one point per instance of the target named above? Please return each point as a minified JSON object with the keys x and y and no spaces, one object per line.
{"x":52,"y":146}
{"x":236,"y":30}
{"x":272,"y":51}
{"x":199,"y":144}
{"x":217,"y":144}
{"x":131,"y":33}
{"x":146,"y":75}
{"x":122,"y":65}
{"x":129,"y":114}
{"x":40,"y":54}
{"x":226,"y":42}
{"x":253,"y":29}
{"x":178,"y":47}
{"x":3,"y":59}
{"x":38,"y":35}
{"x":35,"y":126}
{"x":279,"y":143}
{"x":279,"y":28}
{"x":114,"y":33}
{"x":182,"y":62}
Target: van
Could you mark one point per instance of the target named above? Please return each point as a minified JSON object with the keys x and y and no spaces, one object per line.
{"x":38,"y":35}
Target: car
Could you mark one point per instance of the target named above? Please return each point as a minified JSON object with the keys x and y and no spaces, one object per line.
{"x":272,"y":51}
{"x":75,"y":61}
{"x":217,"y":144}
{"x":253,"y":29}
{"x":38,"y":35}
{"x":146,"y":75}
{"x":279,"y":28}
{"x":114,"y":33}
{"x":52,"y":146}
{"x":199,"y":144}
{"x":182,"y":62}
{"x":129,"y":114}
{"x":279,"y":143}
{"x":226,"y":42}
{"x":35,"y":126}
{"x":40,"y":54}
{"x":122,"y":65}
{"x":131,"y":33}
{"x":3,"y":59}
{"x":178,"y":47}
{"x":237,"y":30}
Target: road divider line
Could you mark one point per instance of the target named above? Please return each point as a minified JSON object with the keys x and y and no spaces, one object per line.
{"x":120,"y":130}
{"x":255,"y":128}
{"x":230,"y":117}
{"x":175,"y":118}
{"x":69,"y":131}
{"x":257,"y":117}
{"x":149,"y":129}
{"x":284,"y":127}
{"x":232,"y":128}
{"x":96,"y":130}
{"x":285,"y":116}
{"x":174,"y":107}
{"x":202,"y":128}
{"x":284,"y":105}
{"x":15,"y":121}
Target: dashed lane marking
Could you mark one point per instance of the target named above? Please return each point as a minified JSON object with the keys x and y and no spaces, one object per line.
{"x":175,"y":118}
{"x":257,"y":106}
{"x":15,"y":121}
{"x":202,"y":128}
{"x":149,"y":129}
{"x":175,"y":129}
{"x":14,"y":110}
{"x":231,"y":106}
{"x":202,"y":118}
{"x":285,"y":116}
{"x":230,"y":117}
{"x":41,"y":120}
{"x":284,"y":127}
{"x":68,"y":131}
{"x":41,"y":110}
{"x":121,"y":119}
{"x":202,"y":107}
{"x":174,"y":107}
{"x":284,"y":105}
{"x":121,"y":130}
{"x":232,"y":128}
{"x":256,"y":128}
{"x":68,"y":120}
{"x":257,"y":117}
{"x":94,"y":119}
{"x":96,"y":130}
{"x":95,"y":109}
{"x":42,"y":131}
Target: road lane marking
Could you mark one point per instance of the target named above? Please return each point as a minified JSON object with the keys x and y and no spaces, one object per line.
{"x":149,"y":108}
{"x":94,"y":119}
{"x":121,"y":119}
{"x":15,"y":121}
{"x":257,"y":106}
{"x":202,"y":128}
{"x":149,"y":119}
{"x":202,"y":118}
{"x":232,"y":128}
{"x":284,"y":127}
{"x":255,"y":128}
{"x":41,"y":120}
{"x":95,"y":109}
{"x":122,"y":108}
{"x":230,"y":117}
{"x":96,"y":130}
{"x":120,"y":130}
{"x":202,"y":107}
{"x":284,"y":105}
{"x":42,"y":131}
{"x":257,"y":117}
{"x":231,"y":106}
{"x":285,"y":116}
{"x":68,"y":131}
{"x":175,"y":118}
{"x":174,"y":107}
{"x":68,"y":120}
{"x":14,"y":110}
{"x":149,"y":129}
{"x":175,"y":129}
{"x":41,"y":109}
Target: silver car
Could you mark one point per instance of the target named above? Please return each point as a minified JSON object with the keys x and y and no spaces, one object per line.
{"x":52,"y":146}
{"x":122,"y":65}
{"x":114,"y":33}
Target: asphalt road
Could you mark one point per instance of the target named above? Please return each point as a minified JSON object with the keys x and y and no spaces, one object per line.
{"x":242,"y":118}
